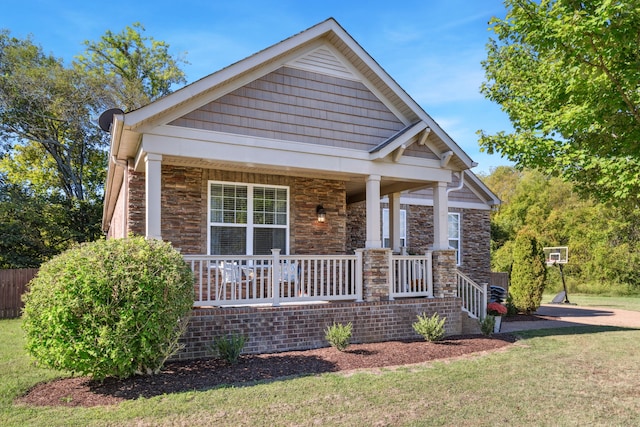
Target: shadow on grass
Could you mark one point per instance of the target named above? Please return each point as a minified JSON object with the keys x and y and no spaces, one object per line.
{"x":571,"y":330}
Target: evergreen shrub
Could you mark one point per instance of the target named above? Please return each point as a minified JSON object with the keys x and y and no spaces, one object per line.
{"x":528,"y":274}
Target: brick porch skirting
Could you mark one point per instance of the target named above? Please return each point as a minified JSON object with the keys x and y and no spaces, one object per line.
{"x":302,"y":327}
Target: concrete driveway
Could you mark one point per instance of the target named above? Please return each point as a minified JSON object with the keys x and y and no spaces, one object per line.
{"x":566,"y":315}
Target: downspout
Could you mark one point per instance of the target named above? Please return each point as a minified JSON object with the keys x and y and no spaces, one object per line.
{"x":460,"y":184}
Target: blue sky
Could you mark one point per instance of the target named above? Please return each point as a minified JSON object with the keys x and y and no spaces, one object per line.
{"x":432,"y":48}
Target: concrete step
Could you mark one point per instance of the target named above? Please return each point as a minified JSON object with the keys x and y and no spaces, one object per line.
{"x":470,"y":325}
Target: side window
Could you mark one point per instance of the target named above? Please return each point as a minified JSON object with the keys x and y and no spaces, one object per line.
{"x":386,"y":242}
{"x":454,"y":234}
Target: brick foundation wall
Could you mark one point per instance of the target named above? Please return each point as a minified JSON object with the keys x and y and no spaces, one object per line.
{"x":302,"y":327}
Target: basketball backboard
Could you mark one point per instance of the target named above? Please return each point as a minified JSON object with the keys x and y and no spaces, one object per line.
{"x":556,"y":255}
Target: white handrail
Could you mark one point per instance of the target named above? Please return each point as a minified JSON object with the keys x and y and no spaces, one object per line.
{"x":245,"y":280}
{"x":411,"y":276}
{"x":473,"y":295}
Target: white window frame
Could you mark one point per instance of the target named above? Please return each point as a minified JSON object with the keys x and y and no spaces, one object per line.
{"x":250,"y":226}
{"x":458,"y":239}
{"x":386,"y":225}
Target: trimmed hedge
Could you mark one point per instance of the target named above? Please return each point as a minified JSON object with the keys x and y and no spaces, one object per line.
{"x":110,"y":308}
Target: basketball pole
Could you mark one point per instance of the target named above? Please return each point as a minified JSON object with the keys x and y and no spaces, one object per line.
{"x":564,"y":284}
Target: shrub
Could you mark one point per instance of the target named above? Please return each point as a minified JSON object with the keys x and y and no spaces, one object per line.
{"x":487,"y":325}
{"x":229,"y":348}
{"x":528,"y":274}
{"x":110,"y":308}
{"x":431,"y":328}
{"x":339,"y":335}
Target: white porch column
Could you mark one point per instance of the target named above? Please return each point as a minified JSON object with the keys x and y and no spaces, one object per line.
{"x":373,"y":238}
{"x":440,"y":217}
{"x":153,"y":193}
{"x":394,"y":221}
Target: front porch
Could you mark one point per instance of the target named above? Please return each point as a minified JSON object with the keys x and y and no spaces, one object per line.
{"x":285,"y":302}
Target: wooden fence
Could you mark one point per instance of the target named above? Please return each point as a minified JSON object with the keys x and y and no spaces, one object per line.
{"x":500,"y":279}
{"x":12,"y":285}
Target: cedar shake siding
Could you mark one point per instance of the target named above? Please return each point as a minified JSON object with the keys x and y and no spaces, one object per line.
{"x":298,"y":105}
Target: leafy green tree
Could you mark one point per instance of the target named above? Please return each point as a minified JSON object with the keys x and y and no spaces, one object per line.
{"x":135,"y":70}
{"x":528,"y":274}
{"x":53,"y":156}
{"x":566,"y":73}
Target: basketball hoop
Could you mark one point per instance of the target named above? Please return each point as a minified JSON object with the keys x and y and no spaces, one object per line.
{"x":558,"y":255}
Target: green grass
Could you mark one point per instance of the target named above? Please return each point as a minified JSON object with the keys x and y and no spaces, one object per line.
{"x":588,"y":300}
{"x":569,"y":376}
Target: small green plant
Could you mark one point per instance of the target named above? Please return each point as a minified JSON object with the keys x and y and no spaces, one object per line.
{"x":512,"y":310}
{"x":431,"y":328}
{"x":487,"y":325}
{"x":339,"y":335}
{"x":229,"y":348}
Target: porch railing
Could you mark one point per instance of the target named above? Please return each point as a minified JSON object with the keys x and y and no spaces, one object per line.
{"x":474,"y":296}
{"x":411,"y":276}
{"x":243,"y":280}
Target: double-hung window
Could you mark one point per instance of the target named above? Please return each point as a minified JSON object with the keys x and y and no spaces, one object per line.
{"x":386,"y":242}
{"x":248,"y":219}
{"x":454,"y":234}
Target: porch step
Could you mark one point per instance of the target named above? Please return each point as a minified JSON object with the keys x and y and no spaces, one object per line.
{"x":470,"y":325}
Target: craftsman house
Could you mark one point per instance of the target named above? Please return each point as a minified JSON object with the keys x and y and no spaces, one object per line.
{"x":304,"y":186}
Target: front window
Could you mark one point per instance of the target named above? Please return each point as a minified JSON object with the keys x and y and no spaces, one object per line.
{"x":454,"y":234}
{"x":385,"y":228}
{"x":247,"y":219}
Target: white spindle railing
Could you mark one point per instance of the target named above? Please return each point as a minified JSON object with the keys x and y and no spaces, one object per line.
{"x":473,"y":295}
{"x":243,"y":280}
{"x":411,"y":276}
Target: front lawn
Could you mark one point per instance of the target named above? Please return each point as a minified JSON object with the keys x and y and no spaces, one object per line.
{"x":569,"y":376}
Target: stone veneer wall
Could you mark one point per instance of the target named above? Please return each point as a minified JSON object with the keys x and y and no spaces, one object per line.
{"x":476,"y":235}
{"x":301,"y":327}
{"x":184,"y":208}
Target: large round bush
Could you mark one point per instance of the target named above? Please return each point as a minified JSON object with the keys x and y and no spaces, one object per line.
{"x":109,"y":308}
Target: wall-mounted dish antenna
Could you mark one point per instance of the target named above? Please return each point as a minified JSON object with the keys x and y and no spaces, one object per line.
{"x":106,"y":118}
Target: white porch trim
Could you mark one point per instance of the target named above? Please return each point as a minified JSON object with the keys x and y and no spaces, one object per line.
{"x":373,"y":237}
{"x":153,"y":193}
{"x":440,"y":216}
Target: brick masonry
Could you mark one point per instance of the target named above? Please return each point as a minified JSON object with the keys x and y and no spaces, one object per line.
{"x":302,"y":327}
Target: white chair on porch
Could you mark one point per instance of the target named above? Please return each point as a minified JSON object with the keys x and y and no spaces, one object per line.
{"x":290,"y":278}
{"x":232,"y":276}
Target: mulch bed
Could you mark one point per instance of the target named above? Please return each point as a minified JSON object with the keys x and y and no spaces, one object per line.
{"x":209,"y":373}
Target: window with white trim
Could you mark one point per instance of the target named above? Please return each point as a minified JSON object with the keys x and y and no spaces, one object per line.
{"x":386,"y":242}
{"x":454,"y":233}
{"x":247,"y":219}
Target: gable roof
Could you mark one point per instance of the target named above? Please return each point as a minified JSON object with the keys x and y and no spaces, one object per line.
{"x":326,"y":43}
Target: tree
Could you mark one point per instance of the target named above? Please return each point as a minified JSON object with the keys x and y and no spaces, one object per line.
{"x":135,"y":70}
{"x":53,"y":156}
{"x":566,"y":73}
{"x":45,"y":119}
{"x":528,"y":274}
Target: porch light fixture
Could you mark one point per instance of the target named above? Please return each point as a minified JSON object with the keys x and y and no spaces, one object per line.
{"x":322,"y":214}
